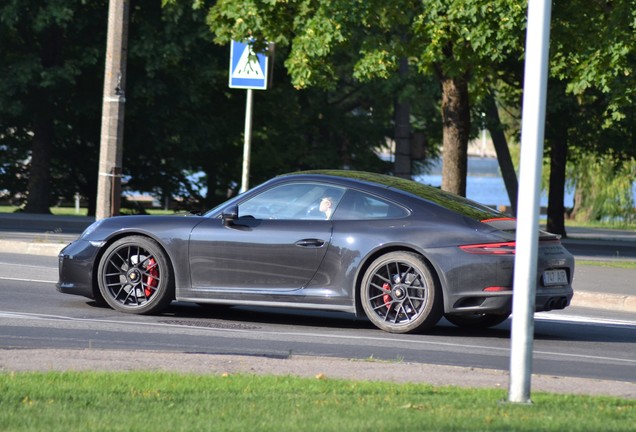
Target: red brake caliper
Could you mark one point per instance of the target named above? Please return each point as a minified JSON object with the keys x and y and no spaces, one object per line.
{"x":387,"y":297}
{"x":153,"y":274}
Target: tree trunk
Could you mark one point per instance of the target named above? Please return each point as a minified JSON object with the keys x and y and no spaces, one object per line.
{"x":40,"y":173}
{"x":578,"y":211}
{"x":493,"y":123}
{"x":556,"y":194}
{"x":456,"y":129}
{"x":43,"y":128}
{"x":91,"y":204}
{"x":402,"y":131}
{"x":211,"y":199}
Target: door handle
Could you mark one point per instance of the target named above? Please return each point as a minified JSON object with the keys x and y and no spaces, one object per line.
{"x":317,"y":243}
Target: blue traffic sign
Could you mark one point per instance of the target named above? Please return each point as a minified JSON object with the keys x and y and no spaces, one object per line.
{"x":248,"y":70}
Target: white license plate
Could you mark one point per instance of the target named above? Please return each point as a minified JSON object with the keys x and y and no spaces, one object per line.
{"x":555,"y":277}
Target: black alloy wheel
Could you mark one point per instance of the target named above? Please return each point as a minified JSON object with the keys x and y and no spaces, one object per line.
{"x":134,"y":276}
{"x":400,"y":293}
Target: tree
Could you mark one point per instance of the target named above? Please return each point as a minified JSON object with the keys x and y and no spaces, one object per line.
{"x":500,"y":142}
{"x":40,"y":71}
{"x":592,"y":90}
{"x":458,"y":41}
{"x":181,"y":118}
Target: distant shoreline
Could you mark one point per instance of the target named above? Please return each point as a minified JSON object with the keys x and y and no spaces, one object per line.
{"x":485,"y":185}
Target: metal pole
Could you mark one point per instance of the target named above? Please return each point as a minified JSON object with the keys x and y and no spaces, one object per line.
{"x":111,"y":142}
{"x":532,"y":134}
{"x":247,"y":144}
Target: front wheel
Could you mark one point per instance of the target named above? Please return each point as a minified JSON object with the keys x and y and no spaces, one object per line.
{"x":400,"y":294}
{"x":476,"y":321}
{"x":134,"y":276}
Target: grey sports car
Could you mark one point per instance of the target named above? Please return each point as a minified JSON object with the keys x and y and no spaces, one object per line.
{"x":398,"y":252}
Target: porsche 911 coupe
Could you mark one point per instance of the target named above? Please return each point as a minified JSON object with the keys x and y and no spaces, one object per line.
{"x":401,"y":253}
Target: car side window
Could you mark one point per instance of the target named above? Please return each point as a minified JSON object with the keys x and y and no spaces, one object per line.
{"x":356,"y":205}
{"x":301,"y":200}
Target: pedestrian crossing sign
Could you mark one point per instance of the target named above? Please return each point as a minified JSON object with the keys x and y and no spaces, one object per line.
{"x":248,"y":70}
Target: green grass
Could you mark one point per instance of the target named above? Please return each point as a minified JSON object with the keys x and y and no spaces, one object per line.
{"x":599,"y":224}
{"x":609,"y":264}
{"x":70,"y":211}
{"x":156,"y":401}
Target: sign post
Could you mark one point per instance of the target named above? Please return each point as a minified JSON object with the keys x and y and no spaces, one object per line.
{"x":248,"y":70}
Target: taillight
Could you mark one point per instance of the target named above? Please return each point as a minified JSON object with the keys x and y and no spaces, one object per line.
{"x":498,"y":219}
{"x":507,"y":248}
{"x":497,"y":289}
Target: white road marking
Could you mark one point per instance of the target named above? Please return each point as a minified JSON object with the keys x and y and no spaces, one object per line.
{"x":27,"y":280}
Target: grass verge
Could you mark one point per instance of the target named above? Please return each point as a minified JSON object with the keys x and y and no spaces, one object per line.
{"x":70,"y":211}
{"x":609,"y":264}
{"x":140,"y":401}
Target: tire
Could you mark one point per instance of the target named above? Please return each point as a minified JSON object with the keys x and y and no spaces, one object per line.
{"x":400,"y":294}
{"x":476,"y":321}
{"x":134,"y":276}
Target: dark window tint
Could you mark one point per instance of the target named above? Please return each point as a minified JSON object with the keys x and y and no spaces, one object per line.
{"x":357,"y":205}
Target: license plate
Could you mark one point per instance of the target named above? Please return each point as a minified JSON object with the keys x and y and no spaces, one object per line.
{"x":555,"y":277}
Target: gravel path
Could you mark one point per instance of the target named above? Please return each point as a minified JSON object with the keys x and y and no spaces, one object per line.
{"x":18,"y":360}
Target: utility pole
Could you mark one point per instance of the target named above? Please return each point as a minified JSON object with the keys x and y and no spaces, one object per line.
{"x":527,"y":236}
{"x":111,"y":142}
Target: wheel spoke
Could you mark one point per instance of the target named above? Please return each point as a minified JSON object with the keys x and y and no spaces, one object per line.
{"x":383,"y":279}
{"x":401,"y":311}
{"x":377,"y":297}
{"x":388,"y":312}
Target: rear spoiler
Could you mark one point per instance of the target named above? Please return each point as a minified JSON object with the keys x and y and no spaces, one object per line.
{"x":509,"y":225}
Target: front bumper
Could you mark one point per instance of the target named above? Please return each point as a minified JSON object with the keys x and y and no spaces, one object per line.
{"x":76,"y":269}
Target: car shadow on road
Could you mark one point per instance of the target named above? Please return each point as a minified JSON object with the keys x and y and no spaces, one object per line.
{"x":251,"y":318}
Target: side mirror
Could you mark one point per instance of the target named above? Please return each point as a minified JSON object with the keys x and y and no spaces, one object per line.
{"x":229,"y":215}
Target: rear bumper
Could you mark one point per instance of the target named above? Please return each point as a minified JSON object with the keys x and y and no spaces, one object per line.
{"x":501,"y":303}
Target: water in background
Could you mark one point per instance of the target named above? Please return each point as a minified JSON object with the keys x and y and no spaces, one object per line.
{"x":484,"y":183}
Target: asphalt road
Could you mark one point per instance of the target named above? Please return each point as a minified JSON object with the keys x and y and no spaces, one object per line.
{"x":33,"y":314}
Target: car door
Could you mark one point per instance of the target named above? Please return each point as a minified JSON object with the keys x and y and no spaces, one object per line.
{"x":277,"y":243}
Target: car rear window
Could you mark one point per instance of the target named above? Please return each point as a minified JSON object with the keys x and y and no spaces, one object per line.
{"x":356,"y":205}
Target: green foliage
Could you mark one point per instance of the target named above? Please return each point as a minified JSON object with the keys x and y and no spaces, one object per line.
{"x":604,"y":188}
{"x":451,"y":37}
{"x":595,"y":53}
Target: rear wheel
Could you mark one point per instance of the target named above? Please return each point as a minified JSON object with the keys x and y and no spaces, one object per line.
{"x":400,"y":294}
{"x":476,"y":321}
{"x":134,"y":276}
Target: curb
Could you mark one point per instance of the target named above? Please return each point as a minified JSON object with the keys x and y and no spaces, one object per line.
{"x":31,"y":248}
{"x":614,"y":302}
